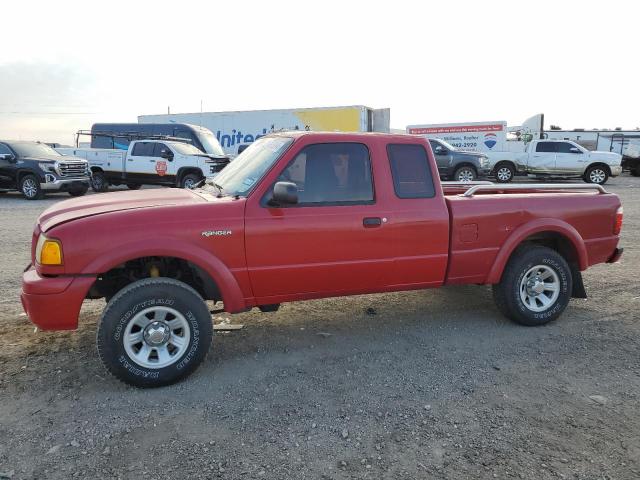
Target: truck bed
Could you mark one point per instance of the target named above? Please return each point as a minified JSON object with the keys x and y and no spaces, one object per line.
{"x":484,"y":222}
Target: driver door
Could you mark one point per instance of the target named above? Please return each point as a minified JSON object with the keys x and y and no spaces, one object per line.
{"x":334,"y":241}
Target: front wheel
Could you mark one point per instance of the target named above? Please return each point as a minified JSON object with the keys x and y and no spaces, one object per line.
{"x":30,"y":188}
{"x":596,"y":174}
{"x":79,"y":192}
{"x":154,"y":332}
{"x":504,"y":173}
{"x":133,"y":186}
{"x":99,"y":182}
{"x":535,"y":287}
{"x":465,"y":174}
{"x":190,"y":180}
{"x":635,"y":171}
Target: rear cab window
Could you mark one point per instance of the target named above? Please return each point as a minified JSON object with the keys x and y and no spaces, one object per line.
{"x":546,"y":147}
{"x":410,"y":170}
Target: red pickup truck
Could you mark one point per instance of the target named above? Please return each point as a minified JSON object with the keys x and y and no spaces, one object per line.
{"x":299,"y":216}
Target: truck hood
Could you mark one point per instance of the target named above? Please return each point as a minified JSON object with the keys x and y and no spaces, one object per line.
{"x":609,"y":158}
{"x":114,"y":202}
{"x":52,"y":158}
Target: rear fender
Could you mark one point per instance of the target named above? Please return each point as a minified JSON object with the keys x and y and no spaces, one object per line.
{"x":540,"y":225}
{"x":218,"y":271}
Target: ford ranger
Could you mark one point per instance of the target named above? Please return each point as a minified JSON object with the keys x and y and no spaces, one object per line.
{"x":300,"y":216}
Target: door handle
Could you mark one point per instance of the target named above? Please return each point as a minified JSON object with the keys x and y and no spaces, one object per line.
{"x":152,"y":161}
{"x":371,"y":222}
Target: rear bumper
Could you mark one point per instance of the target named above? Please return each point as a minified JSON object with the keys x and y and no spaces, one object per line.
{"x":617,"y":253}
{"x":53,"y":303}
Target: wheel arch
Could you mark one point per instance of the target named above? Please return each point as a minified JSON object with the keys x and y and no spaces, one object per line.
{"x":499,"y":163}
{"x":550,"y":232}
{"x":599,"y":163}
{"x":204,"y":263}
{"x":182,"y":171}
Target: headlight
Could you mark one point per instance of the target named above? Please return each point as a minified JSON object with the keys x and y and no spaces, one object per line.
{"x":47,"y":167}
{"x":48,"y":251}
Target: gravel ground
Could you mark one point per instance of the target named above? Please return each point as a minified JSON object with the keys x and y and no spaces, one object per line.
{"x":429,"y":384}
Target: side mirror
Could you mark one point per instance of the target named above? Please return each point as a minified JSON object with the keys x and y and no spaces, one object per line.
{"x":575,"y":150}
{"x":167,"y":154}
{"x":285,"y":193}
{"x":440,"y":150}
{"x":8,"y":157}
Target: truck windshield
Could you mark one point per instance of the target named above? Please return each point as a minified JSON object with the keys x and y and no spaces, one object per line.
{"x":243,"y":173}
{"x":28,"y":149}
{"x":186,"y":149}
{"x":210,"y":143}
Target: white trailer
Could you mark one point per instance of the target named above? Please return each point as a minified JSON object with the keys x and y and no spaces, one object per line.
{"x":234,"y":129}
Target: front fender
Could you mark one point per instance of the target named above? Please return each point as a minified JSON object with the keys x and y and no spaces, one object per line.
{"x":226,"y":282}
{"x":533,"y":227}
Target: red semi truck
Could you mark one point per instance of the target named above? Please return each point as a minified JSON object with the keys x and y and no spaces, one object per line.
{"x":299,"y":216}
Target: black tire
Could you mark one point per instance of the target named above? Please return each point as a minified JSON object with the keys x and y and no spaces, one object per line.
{"x":79,"y":192}
{"x":99,"y":182}
{"x":189,"y":180}
{"x":596,"y":174}
{"x":507,"y":294}
{"x":30,"y":187}
{"x":465,"y":173}
{"x":504,"y":172}
{"x":133,"y":186}
{"x":125,"y":311}
{"x":635,"y":171}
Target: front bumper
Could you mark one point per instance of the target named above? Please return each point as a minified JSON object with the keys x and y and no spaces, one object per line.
{"x":52,"y":183}
{"x":53,"y":303}
{"x":615,"y":171}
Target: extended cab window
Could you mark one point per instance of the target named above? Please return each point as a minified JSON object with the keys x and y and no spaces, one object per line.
{"x":143,"y":149}
{"x":331,"y":173}
{"x":546,"y":147}
{"x":410,"y":171}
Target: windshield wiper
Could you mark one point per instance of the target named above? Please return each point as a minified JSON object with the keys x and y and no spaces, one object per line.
{"x":220,"y":192}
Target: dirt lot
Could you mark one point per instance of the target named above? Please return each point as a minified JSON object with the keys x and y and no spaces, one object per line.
{"x":430,"y":384}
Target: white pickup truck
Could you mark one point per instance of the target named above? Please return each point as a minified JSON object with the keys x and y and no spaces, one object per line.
{"x":556,"y":158}
{"x":148,"y":162}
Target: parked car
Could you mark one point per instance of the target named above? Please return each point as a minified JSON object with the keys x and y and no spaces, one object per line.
{"x":454,"y":164}
{"x":556,"y":159}
{"x":34,"y":168}
{"x":149,"y":162}
{"x":299,"y":216}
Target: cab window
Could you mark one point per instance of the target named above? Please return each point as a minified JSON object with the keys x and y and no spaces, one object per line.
{"x":546,"y":147}
{"x":331,"y":174}
{"x":410,"y":170}
{"x":142,"y":149}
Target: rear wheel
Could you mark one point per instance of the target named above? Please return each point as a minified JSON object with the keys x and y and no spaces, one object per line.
{"x":635,"y":171}
{"x":535,"y":287}
{"x":99,"y":182}
{"x":133,"y":186}
{"x":596,"y":174}
{"x":154,"y":332}
{"x":504,"y":173}
{"x":30,"y":188}
{"x":465,"y":174}
{"x":190,"y":180}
